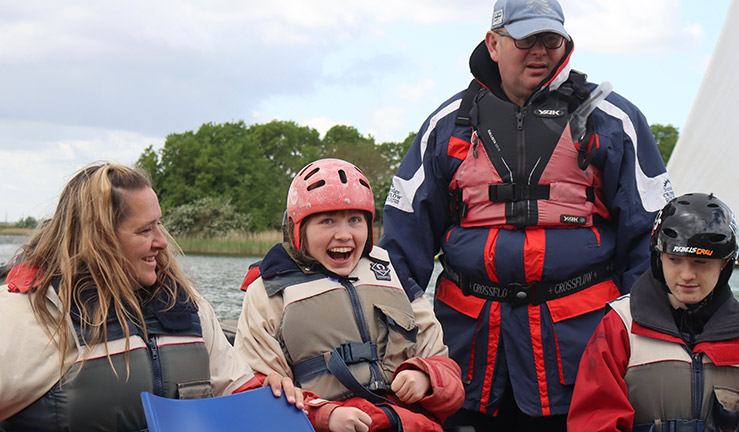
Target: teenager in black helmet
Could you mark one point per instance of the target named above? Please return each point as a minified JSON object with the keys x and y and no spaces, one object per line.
{"x":666,"y":357}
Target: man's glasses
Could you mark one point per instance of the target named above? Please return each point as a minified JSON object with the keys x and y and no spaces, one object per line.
{"x":549,"y":40}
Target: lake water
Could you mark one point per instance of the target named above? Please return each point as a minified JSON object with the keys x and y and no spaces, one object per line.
{"x":219,"y":277}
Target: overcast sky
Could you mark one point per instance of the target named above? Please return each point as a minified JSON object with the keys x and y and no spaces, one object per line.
{"x":85,"y":80}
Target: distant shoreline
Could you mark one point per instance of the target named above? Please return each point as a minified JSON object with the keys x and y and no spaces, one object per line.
{"x":255,"y":244}
{"x":15,"y":231}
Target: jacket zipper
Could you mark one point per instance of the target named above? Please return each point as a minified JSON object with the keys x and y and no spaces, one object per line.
{"x":697,"y":384}
{"x":156,"y":365}
{"x":519,"y":206}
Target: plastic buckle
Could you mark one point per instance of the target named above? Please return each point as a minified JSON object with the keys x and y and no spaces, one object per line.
{"x":354,"y":352}
{"x":521,"y":294}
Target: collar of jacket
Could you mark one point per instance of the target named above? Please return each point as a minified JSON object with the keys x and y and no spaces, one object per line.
{"x":486,"y":71}
{"x":650,"y":308}
{"x":161,"y":318}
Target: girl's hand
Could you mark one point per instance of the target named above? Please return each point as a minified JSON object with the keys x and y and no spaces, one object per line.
{"x":410,"y":386}
{"x":349,"y":419}
{"x":279,"y":383}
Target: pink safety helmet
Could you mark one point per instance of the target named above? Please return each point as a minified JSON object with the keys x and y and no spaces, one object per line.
{"x":329,"y":185}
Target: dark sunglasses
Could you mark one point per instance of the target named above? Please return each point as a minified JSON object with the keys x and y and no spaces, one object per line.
{"x":549,"y":40}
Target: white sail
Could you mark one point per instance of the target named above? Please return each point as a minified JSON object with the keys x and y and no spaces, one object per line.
{"x":706,"y":156}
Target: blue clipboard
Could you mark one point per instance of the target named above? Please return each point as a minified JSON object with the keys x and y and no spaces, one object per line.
{"x":253,"y":410}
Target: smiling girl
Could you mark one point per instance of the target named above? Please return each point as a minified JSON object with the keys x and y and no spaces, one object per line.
{"x":329,"y":312}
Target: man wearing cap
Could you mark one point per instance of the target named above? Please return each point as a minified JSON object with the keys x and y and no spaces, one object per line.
{"x":540,"y":189}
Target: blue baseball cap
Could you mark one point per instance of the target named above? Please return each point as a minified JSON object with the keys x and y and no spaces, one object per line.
{"x":522,"y":18}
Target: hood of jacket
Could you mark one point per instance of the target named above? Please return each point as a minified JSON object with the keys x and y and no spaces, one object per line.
{"x":651,"y":308}
{"x":486,"y":71}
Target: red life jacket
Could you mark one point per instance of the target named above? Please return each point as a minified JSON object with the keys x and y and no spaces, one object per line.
{"x":523,"y":168}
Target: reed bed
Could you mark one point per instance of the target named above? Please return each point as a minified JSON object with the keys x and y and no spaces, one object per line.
{"x":256,"y":244}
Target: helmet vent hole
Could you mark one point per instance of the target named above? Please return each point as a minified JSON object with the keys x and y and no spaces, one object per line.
{"x":316,"y":185}
{"x":364,"y":183}
{"x":669,"y":233}
{"x":712,"y":205}
{"x":717,"y":238}
{"x":342,"y":176}
{"x":311,"y":174}
{"x":683,"y":202}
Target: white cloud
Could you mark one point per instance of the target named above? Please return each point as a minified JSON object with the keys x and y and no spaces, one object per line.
{"x":629,"y":26}
{"x":39,"y":158}
{"x":388,"y":122}
{"x":323,"y":124}
{"x":84,"y":80}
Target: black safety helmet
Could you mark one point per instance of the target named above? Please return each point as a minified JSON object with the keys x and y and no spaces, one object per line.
{"x":695,"y":225}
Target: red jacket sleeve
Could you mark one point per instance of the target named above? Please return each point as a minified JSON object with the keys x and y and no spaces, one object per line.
{"x":447,"y":391}
{"x":447,"y":395}
{"x":600,"y":400}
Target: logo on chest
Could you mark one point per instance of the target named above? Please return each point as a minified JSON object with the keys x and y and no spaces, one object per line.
{"x":549,"y":113}
{"x":381,"y":271}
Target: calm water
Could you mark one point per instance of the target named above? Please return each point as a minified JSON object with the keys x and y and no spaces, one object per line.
{"x":219,"y":277}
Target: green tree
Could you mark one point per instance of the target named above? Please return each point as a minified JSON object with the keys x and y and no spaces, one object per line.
{"x":28,"y":222}
{"x":666,"y":138}
{"x":251,"y":167}
{"x":206,"y":217}
{"x":149,"y":162}
{"x":283,"y":148}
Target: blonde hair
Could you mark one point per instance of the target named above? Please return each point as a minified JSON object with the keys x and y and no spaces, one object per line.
{"x":78,"y":250}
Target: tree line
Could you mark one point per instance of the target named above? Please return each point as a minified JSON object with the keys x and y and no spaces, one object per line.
{"x":233,"y":177}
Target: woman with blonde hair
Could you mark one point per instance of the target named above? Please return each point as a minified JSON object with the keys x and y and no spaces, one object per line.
{"x":97,"y":311}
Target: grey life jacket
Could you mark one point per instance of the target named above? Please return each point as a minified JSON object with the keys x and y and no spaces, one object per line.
{"x":345,"y":337}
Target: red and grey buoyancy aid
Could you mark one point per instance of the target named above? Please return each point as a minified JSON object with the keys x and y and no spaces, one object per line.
{"x":337,"y":334}
{"x":523,"y":167}
{"x":657,"y":368}
{"x":172,"y":362}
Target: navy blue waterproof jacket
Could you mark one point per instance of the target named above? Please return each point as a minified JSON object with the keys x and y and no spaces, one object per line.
{"x":535,"y":347}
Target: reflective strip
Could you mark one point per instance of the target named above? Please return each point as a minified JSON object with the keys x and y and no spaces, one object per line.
{"x":178,"y":340}
{"x":537,"y":346}
{"x":117,"y":346}
{"x":650,"y":189}
{"x":533,"y":254}
{"x":402,"y":192}
{"x":493,"y":341}
{"x":489,"y":256}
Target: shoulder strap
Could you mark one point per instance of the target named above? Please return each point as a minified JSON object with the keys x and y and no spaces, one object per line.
{"x":574,"y":90}
{"x":463,"y":113}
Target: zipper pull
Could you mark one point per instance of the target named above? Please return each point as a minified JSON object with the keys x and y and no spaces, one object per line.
{"x":519,"y":119}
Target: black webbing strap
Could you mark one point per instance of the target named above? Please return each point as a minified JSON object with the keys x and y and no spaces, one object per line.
{"x":693,"y":425}
{"x":535,"y":293}
{"x":393,"y":417}
{"x":350,"y":353}
{"x":339,"y":369}
{"x":517,"y":192}
{"x":463,"y":113}
{"x":457,"y":206}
